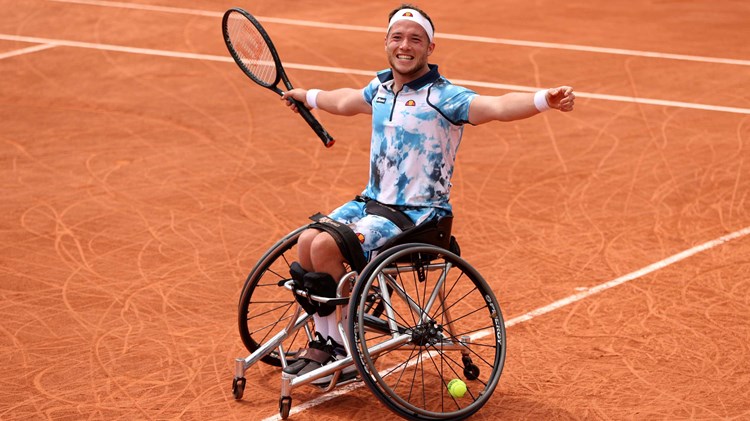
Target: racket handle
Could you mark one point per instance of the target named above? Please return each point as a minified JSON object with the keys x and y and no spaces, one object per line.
{"x":314,"y":124}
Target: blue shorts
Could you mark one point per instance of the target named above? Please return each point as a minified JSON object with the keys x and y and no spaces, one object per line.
{"x":373,"y":230}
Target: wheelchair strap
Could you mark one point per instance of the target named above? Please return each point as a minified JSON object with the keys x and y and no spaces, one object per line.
{"x":345,"y":238}
{"x":393,"y":214}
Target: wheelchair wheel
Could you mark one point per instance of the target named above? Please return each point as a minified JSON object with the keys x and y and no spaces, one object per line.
{"x":440,"y":322}
{"x":265,"y":308}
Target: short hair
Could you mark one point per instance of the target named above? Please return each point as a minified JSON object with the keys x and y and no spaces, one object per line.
{"x":411,"y":6}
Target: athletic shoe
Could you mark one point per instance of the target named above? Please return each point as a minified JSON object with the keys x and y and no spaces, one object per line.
{"x":339,"y":353}
{"x":316,"y":353}
{"x":321,"y":352}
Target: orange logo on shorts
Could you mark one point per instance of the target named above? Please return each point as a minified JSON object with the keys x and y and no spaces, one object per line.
{"x":410,"y":103}
{"x":361,"y":238}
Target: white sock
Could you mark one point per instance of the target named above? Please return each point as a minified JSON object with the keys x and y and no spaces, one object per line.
{"x":333,"y":329}
{"x":321,"y":325}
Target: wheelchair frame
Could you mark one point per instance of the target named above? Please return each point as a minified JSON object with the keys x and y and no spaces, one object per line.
{"x":390,"y":315}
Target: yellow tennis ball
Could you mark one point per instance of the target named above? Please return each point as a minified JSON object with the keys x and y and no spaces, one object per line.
{"x":457,"y":388}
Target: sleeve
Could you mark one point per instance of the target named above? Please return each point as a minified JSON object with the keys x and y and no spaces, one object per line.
{"x":452,"y":102}
{"x":369,"y":91}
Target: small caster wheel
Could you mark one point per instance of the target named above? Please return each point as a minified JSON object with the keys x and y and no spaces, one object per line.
{"x":471,"y":372}
{"x":238,"y":387}
{"x":285,"y":406}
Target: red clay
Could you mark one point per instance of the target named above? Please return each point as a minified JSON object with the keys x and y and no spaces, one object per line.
{"x":139,"y":190}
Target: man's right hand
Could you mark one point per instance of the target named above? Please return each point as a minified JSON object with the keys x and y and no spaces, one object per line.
{"x":298,"y":94}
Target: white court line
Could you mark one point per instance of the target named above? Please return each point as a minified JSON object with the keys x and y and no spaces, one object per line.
{"x":26,"y":50}
{"x":380,"y":30}
{"x":370,"y":73}
{"x":549,"y":308}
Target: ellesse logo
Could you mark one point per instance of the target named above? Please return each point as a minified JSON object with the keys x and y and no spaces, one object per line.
{"x":410,"y":103}
{"x":408,"y":15}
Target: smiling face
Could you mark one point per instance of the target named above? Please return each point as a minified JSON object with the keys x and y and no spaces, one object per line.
{"x":408,"y":47}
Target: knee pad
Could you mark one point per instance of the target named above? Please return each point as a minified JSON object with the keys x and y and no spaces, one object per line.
{"x":315,"y":283}
{"x":322,"y":285}
{"x":298,"y":276}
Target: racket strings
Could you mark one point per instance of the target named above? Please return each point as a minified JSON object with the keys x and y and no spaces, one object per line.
{"x":252,"y":49}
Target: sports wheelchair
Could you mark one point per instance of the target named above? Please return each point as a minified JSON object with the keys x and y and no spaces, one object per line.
{"x":418,"y":316}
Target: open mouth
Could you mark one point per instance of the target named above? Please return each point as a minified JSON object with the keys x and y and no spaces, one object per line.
{"x":404,"y":57}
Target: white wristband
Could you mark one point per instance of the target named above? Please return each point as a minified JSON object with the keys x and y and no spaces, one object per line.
{"x":540,"y":101}
{"x":312,"y":98}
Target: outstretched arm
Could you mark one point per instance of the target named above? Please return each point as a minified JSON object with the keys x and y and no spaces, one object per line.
{"x":345,"y":101}
{"x":517,"y":106}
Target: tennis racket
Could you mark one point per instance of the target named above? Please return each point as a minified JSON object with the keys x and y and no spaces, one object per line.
{"x":252,"y":50}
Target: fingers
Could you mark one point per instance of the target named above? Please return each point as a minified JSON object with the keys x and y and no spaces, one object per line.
{"x":562,"y":98}
{"x":568,"y":100}
{"x":285,"y":96}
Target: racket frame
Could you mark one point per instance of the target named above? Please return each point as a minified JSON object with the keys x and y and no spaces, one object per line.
{"x":281,"y":76}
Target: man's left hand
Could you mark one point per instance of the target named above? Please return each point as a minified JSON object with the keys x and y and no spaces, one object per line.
{"x":561,"y":98}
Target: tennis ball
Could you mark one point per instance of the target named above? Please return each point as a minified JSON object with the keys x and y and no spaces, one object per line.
{"x":457,"y":388}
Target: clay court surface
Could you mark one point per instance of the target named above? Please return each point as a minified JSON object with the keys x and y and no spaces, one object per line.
{"x":143,"y":175}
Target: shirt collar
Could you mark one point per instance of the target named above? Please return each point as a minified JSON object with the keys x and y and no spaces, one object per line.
{"x":416,"y":84}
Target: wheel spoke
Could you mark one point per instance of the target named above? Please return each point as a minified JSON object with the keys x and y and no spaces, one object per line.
{"x":266,"y":309}
{"x":444,"y":300}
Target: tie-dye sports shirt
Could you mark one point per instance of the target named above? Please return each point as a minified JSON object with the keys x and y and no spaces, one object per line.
{"x":415,"y":136}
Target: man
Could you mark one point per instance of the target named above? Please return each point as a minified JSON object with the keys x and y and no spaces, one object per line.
{"x":418,"y":119}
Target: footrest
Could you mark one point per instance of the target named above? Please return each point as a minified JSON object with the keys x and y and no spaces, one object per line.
{"x":325,"y":300}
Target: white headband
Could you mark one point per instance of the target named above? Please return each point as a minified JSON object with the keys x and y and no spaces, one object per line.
{"x":414,"y":16}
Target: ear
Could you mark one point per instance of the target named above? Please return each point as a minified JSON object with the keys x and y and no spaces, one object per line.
{"x":431,"y":48}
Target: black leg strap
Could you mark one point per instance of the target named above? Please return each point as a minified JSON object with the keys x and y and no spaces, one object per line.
{"x":398,"y":217}
{"x":345,"y":238}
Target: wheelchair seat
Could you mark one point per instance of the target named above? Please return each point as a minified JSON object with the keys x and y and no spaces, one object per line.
{"x":435,"y":232}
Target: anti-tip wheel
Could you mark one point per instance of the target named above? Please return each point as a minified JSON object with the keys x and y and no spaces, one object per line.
{"x":285,"y":406}
{"x":238,"y":387}
{"x":471,"y":372}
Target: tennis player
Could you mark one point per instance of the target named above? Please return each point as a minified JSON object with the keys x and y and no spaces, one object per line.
{"x":418,"y":119}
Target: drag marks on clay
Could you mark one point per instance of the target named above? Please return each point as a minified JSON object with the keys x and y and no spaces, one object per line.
{"x":104,"y":292}
{"x":133,"y":210}
{"x":458,"y":37}
{"x":338,"y":70}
